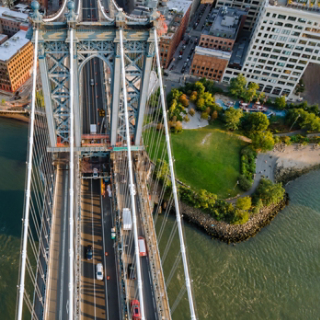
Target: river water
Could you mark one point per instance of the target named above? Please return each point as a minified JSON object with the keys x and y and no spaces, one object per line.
{"x":275,"y":275}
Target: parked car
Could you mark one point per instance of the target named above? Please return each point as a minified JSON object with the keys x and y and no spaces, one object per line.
{"x":180,"y":56}
{"x":89,"y":252}
{"x":99,"y":271}
{"x":184,"y":46}
{"x":135,"y":310}
{"x":92,"y":82}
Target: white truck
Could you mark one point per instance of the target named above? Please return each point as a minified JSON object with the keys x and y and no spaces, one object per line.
{"x":126,"y":219}
{"x":93,"y":128}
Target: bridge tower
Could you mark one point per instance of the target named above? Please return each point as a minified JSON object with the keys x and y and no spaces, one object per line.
{"x":94,"y":40}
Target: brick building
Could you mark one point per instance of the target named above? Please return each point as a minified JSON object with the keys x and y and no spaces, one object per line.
{"x":176,"y":19}
{"x":11,"y":21}
{"x":16,"y":60}
{"x":16,"y":52}
{"x":216,"y":43}
{"x":209,"y":63}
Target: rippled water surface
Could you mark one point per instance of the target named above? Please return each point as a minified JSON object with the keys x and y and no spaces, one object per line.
{"x":13,"y":140}
{"x":275,"y":275}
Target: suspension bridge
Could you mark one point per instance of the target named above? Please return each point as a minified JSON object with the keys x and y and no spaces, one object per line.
{"x":102,"y":234}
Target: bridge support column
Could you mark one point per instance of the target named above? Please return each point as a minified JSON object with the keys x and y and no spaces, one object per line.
{"x":47,"y":98}
{"x":144,"y":89}
{"x":76,"y":99}
{"x":115,"y":93}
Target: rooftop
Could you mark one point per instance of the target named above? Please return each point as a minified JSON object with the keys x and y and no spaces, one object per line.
{"x":224,"y":22}
{"x":9,"y":48}
{"x":239,"y":50}
{"x":3,"y":36}
{"x":179,"y":5}
{"x":13,"y":15}
{"x":212,"y":53}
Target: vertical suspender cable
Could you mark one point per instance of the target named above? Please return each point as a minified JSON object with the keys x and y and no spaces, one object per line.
{"x":29,"y":174}
{"x":133,"y":203}
{"x":71,"y":168}
{"x":174,"y":188}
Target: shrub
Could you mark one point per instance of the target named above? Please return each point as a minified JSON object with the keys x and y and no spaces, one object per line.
{"x":192,"y":112}
{"x":204,"y":115}
{"x":186,"y":119}
{"x":244,"y":183}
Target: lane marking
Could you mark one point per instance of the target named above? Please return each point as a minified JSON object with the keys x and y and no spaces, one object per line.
{"x":93,"y":258}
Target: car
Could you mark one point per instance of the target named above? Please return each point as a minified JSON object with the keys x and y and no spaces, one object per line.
{"x":89,"y":252}
{"x":180,"y":56}
{"x":92,"y":82}
{"x":187,"y":60}
{"x":99,"y":271}
{"x":142,"y":247}
{"x":184,"y":46}
{"x":135,"y":310}
{"x":113,"y":233}
{"x":131,"y":271}
{"x":183,"y":70}
{"x":107,"y":11}
{"x":95,"y":173}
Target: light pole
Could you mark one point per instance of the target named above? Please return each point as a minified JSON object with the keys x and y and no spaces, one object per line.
{"x":295,"y":121}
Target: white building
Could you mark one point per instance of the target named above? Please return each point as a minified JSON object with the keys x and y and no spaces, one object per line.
{"x":285,"y":40}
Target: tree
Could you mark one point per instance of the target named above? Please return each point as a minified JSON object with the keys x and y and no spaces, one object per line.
{"x":199,"y":87}
{"x":237,"y":85}
{"x":205,"y":199}
{"x":214,"y":115}
{"x":194,"y":96}
{"x":240,"y":217}
{"x":178,"y":127}
{"x":262,"y":140}
{"x":162,"y":171}
{"x":3,"y":102}
{"x":232,"y":118}
{"x":280,"y":102}
{"x":204,"y":115}
{"x":251,"y":92}
{"x":184,"y":100}
{"x":270,"y":193}
{"x":186,"y":119}
{"x":192,"y":112}
{"x":244,"y":203}
{"x":257,"y":121}
{"x":286,"y":140}
{"x":201,"y":104}
{"x":262,"y":97}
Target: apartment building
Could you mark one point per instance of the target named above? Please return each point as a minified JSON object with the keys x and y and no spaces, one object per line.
{"x":252,"y":7}
{"x":12,"y":21}
{"x":176,"y":20}
{"x":286,"y":39}
{"x":16,"y":60}
{"x":216,"y":43}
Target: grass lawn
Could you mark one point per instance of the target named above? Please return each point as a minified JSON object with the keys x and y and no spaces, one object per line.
{"x":207,"y":158}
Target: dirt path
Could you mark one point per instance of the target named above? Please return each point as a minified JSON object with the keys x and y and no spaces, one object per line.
{"x":206,"y":138}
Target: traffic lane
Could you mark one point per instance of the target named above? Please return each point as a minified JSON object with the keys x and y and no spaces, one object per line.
{"x":187,"y":52}
{"x":63,"y":271}
{"x":85,"y":101}
{"x":92,"y":290}
{"x":112,"y":285}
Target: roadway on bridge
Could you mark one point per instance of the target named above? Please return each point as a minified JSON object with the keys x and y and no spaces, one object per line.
{"x":92,"y":86}
{"x":99,"y":298}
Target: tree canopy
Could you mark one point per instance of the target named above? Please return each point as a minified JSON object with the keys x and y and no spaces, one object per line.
{"x":244,"y":203}
{"x":262,"y":140}
{"x":238,"y":85}
{"x":232,"y":118}
{"x":280,"y":102}
{"x":270,"y":193}
{"x":257,"y":121}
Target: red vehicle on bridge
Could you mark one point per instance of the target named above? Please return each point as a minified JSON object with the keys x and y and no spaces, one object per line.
{"x":135,"y":310}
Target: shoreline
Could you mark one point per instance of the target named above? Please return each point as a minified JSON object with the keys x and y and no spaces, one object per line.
{"x":17,"y":117}
{"x":230,"y":233}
